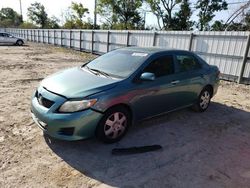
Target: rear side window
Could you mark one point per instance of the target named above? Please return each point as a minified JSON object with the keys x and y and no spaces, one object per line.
{"x":1,"y":34}
{"x":162,"y":66}
{"x":187,"y":63}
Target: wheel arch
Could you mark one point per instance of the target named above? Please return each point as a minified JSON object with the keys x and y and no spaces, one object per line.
{"x":210,"y":88}
{"x":126,"y":106}
{"x":19,"y":40}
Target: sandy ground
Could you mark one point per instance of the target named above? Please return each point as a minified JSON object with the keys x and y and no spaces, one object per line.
{"x":210,"y":149}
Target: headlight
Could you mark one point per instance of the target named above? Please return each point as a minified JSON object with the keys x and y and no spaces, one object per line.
{"x":74,"y":106}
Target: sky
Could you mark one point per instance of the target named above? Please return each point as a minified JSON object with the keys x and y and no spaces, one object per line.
{"x":57,"y":7}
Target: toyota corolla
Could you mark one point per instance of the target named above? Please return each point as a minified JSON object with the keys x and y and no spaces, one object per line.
{"x":105,"y":96}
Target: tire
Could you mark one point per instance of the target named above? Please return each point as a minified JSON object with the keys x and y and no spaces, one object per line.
{"x":19,"y":43}
{"x":203,"y":100}
{"x":114,"y":125}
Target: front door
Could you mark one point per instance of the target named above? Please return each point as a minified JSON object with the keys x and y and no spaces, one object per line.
{"x":9,"y":38}
{"x":160,"y":95}
{"x":2,"y":38}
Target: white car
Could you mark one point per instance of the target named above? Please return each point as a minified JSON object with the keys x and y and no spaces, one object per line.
{"x":6,"y":38}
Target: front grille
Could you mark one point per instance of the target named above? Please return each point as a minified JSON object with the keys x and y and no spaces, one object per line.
{"x":43,"y":101}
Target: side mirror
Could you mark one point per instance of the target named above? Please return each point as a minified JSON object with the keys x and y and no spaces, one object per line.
{"x":147,"y":76}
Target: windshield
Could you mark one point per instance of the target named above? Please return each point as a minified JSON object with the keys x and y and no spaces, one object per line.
{"x":118,"y":63}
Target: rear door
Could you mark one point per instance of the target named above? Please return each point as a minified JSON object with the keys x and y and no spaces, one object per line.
{"x":191,"y":75}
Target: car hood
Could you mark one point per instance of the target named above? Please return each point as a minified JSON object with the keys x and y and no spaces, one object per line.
{"x":77,"y":83}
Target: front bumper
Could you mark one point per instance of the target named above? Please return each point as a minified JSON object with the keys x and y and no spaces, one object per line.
{"x":65,"y":126}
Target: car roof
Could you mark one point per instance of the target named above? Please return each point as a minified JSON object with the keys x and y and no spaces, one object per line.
{"x":151,"y":50}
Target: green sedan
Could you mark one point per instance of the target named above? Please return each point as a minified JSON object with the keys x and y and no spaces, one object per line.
{"x":104,"y":97}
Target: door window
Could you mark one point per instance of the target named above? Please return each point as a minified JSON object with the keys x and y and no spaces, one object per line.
{"x":4,"y":35}
{"x":187,"y":63}
{"x":162,"y":66}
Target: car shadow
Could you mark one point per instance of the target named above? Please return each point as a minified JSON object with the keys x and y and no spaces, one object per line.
{"x":14,"y":45}
{"x":187,"y":139}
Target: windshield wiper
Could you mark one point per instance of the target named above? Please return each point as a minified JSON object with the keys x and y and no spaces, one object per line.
{"x":100,"y":72}
{"x":96,"y":71}
{"x":89,"y":69}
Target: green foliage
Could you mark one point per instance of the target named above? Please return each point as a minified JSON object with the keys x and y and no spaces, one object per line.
{"x":243,"y":25}
{"x":9,"y":18}
{"x":79,"y":10}
{"x":246,"y":20}
{"x":27,"y":25}
{"x":37,"y":14}
{"x":237,"y":27}
{"x":218,"y":26}
{"x":182,"y":17}
{"x":207,"y":9}
{"x":52,"y":23}
{"x":74,"y":17}
{"x":163,"y":10}
{"x":121,"y":14}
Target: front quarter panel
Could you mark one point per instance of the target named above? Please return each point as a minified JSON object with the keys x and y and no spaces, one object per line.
{"x":117,"y":95}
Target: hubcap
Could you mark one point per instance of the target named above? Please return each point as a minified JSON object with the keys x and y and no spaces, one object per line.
{"x":20,"y":43}
{"x":205,"y":99}
{"x":115,"y":125}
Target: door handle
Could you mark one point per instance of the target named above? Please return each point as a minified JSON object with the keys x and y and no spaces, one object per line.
{"x":175,"y":82}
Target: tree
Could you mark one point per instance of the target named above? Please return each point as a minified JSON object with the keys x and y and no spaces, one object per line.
{"x":182,"y":17}
{"x":74,"y":17}
{"x":218,"y":26}
{"x":163,"y":10}
{"x":27,"y":25}
{"x":121,"y":14}
{"x":52,"y":23}
{"x":207,"y":8}
{"x":37,"y":14}
{"x":247,"y":20}
{"x":79,"y":10}
{"x":9,"y":18}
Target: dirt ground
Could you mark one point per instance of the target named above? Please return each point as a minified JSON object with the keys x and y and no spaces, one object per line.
{"x":210,"y":149}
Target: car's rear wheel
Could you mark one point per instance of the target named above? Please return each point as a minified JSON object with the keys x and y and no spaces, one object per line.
{"x":203,"y":100}
{"x":114,"y":125}
{"x":19,"y":43}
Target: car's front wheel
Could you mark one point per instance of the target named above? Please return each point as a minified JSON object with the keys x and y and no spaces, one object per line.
{"x":203,"y":100}
{"x":114,"y":125}
{"x":19,"y":43}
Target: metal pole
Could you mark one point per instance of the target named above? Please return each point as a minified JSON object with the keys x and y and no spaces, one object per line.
{"x":70,"y":33}
{"x":61,"y":37}
{"x":48,"y":37}
{"x":95,"y":14}
{"x":190,"y":42}
{"x":244,"y":61}
{"x":128,"y":38}
{"x":21,"y":11}
{"x":43,"y":36}
{"x":38,"y":36}
{"x":54,"y":37}
{"x":80,"y":42}
{"x":92,"y":42}
{"x":154,"y":38}
{"x":108,"y":41}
